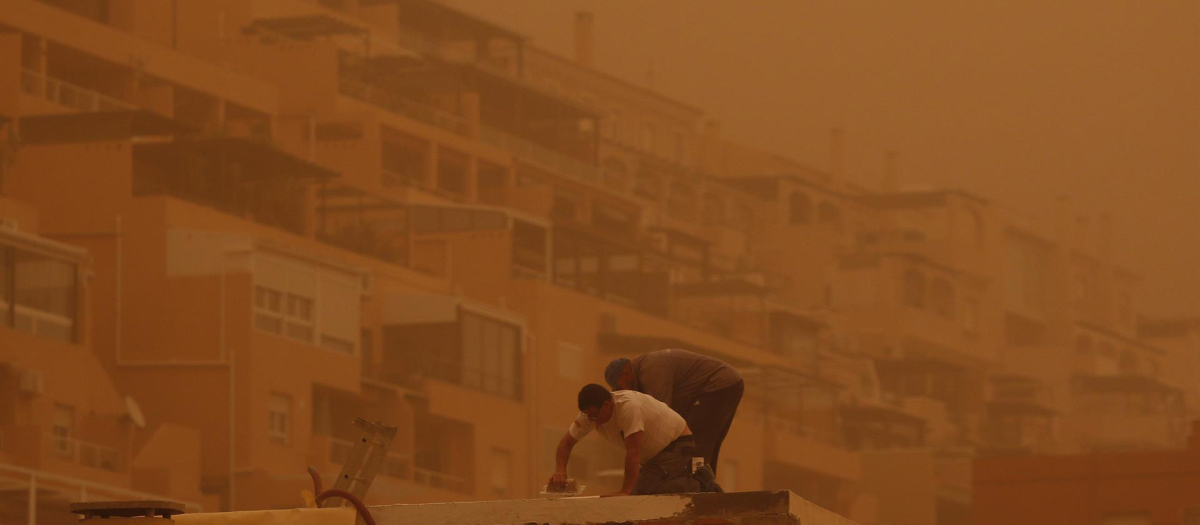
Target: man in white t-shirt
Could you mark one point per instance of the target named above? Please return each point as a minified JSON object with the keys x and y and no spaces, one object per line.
{"x":658,"y":445}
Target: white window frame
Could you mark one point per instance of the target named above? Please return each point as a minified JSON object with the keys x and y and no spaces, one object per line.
{"x":279,"y":418}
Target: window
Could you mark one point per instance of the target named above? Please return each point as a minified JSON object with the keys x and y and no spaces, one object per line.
{"x":648,"y":136}
{"x":570,"y":360}
{"x":490,"y":355}
{"x":1191,"y":516}
{"x":501,"y":472}
{"x":37,"y":294}
{"x":306,"y":303}
{"x":970,"y":316}
{"x":713,"y":209}
{"x":800,"y":209}
{"x":941,"y":298}
{"x":279,"y":408}
{"x":268,"y":310}
{"x":62,"y":427}
{"x":828,"y":213}
{"x":299,"y":317}
{"x":6,"y":300}
{"x":914,"y":289}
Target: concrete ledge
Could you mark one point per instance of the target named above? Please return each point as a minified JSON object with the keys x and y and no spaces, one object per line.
{"x":739,"y":508}
{"x":757,"y":508}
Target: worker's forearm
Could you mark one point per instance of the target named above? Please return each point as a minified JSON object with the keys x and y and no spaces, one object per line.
{"x":632,"y":469}
{"x":562,"y":455}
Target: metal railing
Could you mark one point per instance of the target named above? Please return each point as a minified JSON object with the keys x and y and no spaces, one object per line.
{"x":401,"y":106}
{"x":84,"y":453}
{"x":542,"y":156}
{"x":439,"y":480}
{"x":70,"y":95}
{"x":55,"y":488}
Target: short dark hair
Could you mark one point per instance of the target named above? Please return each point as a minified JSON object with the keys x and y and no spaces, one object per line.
{"x":593,"y":396}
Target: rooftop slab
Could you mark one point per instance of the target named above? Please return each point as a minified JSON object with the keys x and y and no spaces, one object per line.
{"x":739,"y":508}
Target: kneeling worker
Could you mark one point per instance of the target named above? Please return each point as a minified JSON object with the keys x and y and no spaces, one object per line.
{"x":658,"y":444}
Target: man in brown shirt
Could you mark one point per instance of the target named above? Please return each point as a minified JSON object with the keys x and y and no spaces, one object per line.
{"x":704,"y":390}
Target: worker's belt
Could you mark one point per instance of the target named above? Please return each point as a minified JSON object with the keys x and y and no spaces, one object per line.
{"x":681,"y":441}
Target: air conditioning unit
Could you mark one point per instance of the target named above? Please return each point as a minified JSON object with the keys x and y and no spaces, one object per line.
{"x":31,"y":382}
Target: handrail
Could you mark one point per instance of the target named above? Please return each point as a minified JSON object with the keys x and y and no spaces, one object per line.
{"x":90,"y":487}
{"x":63,"y":93}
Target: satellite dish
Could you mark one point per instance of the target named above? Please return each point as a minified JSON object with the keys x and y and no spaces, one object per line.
{"x":134,"y":412}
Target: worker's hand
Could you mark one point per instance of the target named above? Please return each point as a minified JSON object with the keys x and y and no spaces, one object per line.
{"x":617,"y":493}
{"x":558,"y":480}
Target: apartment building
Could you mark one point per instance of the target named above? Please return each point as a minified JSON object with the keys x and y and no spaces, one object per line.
{"x":267,"y":218}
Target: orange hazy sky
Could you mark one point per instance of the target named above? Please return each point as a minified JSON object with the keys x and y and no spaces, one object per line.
{"x":1016,"y":100}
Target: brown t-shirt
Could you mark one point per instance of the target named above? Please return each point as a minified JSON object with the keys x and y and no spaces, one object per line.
{"x":677,"y":377}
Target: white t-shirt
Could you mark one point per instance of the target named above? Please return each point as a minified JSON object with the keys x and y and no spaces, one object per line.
{"x":633,"y":412}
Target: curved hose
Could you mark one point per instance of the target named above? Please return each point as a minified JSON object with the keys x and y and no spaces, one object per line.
{"x":320,"y":496}
{"x":312,"y":471}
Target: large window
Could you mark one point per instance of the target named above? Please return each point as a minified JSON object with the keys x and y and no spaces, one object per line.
{"x":472,"y":350}
{"x":37,"y":294}
{"x":491,"y":355}
{"x":306,"y":303}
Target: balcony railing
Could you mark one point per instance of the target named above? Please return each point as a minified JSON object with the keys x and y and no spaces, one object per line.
{"x":66,"y":94}
{"x":394,"y":465}
{"x":439,"y":480}
{"x":546,"y":158}
{"x":84,"y":453}
{"x":401,"y":106}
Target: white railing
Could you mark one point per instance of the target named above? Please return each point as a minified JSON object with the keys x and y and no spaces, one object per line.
{"x":400,"y":106}
{"x":439,"y":480}
{"x":57,"y":488}
{"x":84,"y":453}
{"x":66,"y":94}
{"x":541,"y":156}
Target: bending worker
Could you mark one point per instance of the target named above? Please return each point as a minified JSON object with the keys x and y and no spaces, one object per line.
{"x":646,"y":428}
{"x":704,"y":390}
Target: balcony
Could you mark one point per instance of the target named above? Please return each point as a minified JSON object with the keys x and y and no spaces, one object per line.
{"x":71,"y":96}
{"x":735,"y":309}
{"x":541,"y":156}
{"x":83,"y":453}
{"x":403,"y":106}
{"x":43,"y":497}
{"x":239,"y":177}
{"x":35,"y":448}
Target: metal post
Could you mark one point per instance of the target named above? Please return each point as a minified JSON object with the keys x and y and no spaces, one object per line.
{"x":31,"y":513}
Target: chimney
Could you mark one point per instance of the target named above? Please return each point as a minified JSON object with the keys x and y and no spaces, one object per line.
{"x":584,"y":38}
{"x":836,"y":151}
{"x":891,"y":179}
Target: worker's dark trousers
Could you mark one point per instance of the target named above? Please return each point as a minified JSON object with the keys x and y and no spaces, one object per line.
{"x":709,"y":419}
{"x":670,"y":471}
